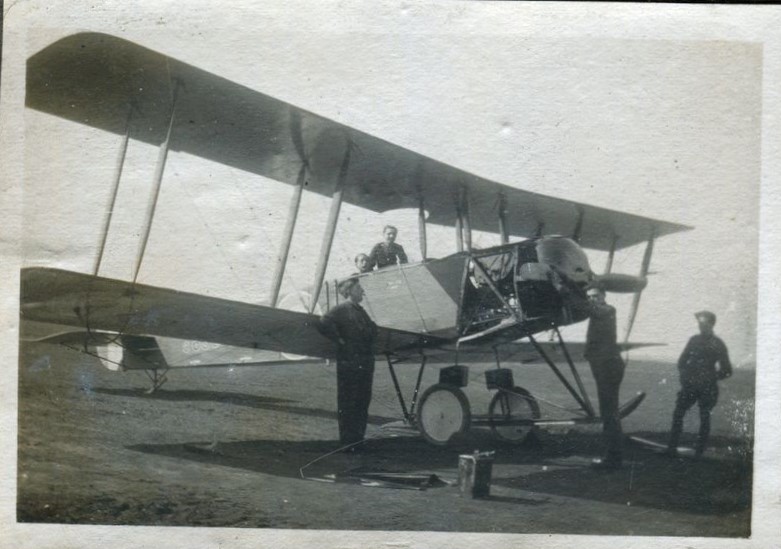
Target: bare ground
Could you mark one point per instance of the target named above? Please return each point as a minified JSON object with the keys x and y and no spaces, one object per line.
{"x":95,"y":449}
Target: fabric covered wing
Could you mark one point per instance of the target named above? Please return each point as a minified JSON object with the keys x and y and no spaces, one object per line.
{"x":94,"y":303}
{"x":94,"y":79}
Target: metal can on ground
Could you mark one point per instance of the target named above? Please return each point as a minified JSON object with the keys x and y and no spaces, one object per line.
{"x":474,"y":474}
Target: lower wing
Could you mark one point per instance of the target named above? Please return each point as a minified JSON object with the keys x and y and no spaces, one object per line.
{"x":97,"y":305}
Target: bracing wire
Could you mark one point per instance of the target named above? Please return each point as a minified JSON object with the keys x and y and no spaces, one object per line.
{"x":264,"y":234}
{"x":212,"y":235}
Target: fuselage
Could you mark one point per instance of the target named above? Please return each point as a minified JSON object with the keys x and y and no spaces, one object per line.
{"x":506,"y":291}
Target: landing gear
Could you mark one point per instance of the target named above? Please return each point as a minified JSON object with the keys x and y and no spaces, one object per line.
{"x":443,"y":412}
{"x":510,"y":407}
{"x":157,"y":378}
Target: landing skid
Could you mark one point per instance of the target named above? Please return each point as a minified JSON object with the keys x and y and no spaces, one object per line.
{"x":626,"y":409}
{"x":683,"y":451}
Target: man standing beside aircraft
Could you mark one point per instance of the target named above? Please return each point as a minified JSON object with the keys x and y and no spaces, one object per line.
{"x":607,"y":366}
{"x":699,"y":380}
{"x":387,"y":252}
{"x":349,"y":326}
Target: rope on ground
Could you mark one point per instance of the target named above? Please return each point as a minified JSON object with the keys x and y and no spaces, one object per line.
{"x":332,"y":452}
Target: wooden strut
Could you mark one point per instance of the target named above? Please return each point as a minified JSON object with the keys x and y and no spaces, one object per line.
{"x":576,"y":375}
{"x":287,"y":238}
{"x":330,"y":231}
{"x":159,"y":169}
{"x":459,"y":229}
{"x":611,"y":254}
{"x":114,"y":191}
{"x":466,"y":222}
{"x":540,"y":228}
{"x":407,"y":416}
{"x":649,"y":249}
{"x":422,"y":225}
{"x":417,"y":386}
{"x":578,"y":226}
{"x":558,"y":373}
{"x":503,"y":228}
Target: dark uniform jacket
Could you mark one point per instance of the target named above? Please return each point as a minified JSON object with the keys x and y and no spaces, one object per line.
{"x":349,"y":322}
{"x":384,"y":254}
{"x":697,"y":363}
{"x":601,"y":334}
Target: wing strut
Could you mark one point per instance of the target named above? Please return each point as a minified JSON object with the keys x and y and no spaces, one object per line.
{"x":159,"y":169}
{"x":114,"y":191}
{"x":290,"y":226}
{"x":466,"y":223}
{"x":611,"y":254}
{"x":459,"y":228}
{"x":330,"y":230}
{"x":540,"y":228}
{"x":578,"y":226}
{"x":504,"y":231}
{"x":421,"y":225}
{"x":649,"y":249}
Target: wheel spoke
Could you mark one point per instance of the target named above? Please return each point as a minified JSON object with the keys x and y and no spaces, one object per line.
{"x":512,"y":405}
{"x":443,"y":412}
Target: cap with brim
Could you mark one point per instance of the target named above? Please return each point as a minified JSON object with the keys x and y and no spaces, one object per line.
{"x":707,"y":315}
{"x":346,"y":285}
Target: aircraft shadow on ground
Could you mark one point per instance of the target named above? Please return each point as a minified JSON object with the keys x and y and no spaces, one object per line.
{"x":285,"y":458}
{"x":235,"y":399}
{"x":401,"y":454}
{"x":706,"y":487}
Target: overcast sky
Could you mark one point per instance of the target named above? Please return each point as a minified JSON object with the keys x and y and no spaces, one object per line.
{"x":665,"y":129}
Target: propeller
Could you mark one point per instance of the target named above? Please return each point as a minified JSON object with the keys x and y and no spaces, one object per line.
{"x":621,"y":283}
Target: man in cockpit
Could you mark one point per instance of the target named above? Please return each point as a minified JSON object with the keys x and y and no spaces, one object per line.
{"x":607,"y":366}
{"x":387,"y":252}
{"x":363,"y":263}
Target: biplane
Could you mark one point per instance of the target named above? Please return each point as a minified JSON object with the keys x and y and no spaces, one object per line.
{"x":471,"y":305}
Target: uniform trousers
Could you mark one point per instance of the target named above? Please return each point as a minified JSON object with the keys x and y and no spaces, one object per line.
{"x":608,"y":373}
{"x":354,"y":377}
{"x":705,"y":394}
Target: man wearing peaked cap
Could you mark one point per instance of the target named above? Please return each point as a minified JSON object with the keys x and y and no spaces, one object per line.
{"x":706,"y":316}
{"x":699,"y":379}
{"x":353,"y":331}
{"x":607,"y":367}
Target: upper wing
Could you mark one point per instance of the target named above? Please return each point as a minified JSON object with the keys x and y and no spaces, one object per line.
{"x":94,"y":79}
{"x":94,"y":303}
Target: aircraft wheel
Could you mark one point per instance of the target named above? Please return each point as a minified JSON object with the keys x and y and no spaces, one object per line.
{"x":508,"y":404}
{"x":443,"y":412}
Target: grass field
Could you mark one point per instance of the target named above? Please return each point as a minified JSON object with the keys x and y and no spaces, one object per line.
{"x":94,"y":448}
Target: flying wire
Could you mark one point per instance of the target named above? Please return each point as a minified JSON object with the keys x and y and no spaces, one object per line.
{"x":260,"y":225}
{"x":214,"y":238}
